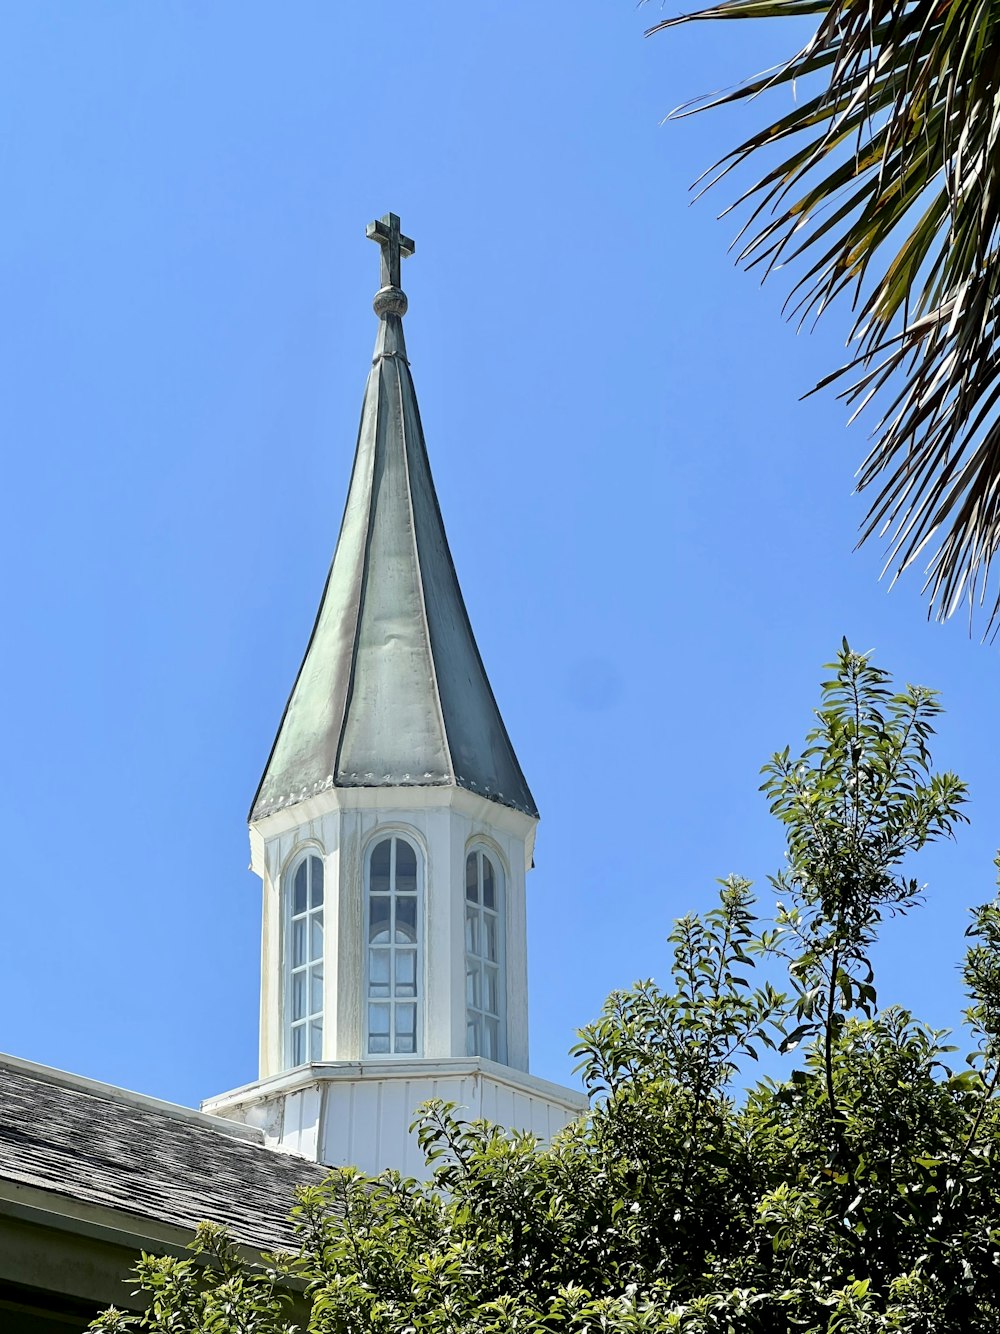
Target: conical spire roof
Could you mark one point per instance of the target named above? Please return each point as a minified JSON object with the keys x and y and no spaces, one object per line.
{"x":392,"y":691}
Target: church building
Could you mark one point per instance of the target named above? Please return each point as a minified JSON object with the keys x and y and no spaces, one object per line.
{"x":392,"y":831}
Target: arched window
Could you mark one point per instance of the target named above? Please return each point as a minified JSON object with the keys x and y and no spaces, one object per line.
{"x":304,"y":955}
{"x":393,"y":971}
{"x":483,"y":945}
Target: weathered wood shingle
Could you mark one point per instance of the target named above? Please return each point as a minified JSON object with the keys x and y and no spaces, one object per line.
{"x":106,"y":1147}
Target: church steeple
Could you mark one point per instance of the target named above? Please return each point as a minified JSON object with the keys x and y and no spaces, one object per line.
{"x":392,"y":691}
{"x":392,"y":831}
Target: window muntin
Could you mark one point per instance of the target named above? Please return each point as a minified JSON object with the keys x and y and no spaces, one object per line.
{"x":483,"y":1000}
{"x":393,"y":968}
{"x":304,"y":953}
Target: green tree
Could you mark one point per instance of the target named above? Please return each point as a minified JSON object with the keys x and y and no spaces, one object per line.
{"x":857,"y":1192}
{"x":880,"y":176}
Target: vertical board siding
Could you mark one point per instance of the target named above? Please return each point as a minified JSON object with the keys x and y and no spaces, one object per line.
{"x":364,"y":1121}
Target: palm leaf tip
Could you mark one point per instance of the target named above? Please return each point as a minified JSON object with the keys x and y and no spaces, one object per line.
{"x":889,"y":192}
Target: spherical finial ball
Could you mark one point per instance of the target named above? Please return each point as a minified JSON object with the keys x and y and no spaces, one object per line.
{"x":390,"y":301}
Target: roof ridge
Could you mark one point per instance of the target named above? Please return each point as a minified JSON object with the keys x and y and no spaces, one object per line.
{"x":431,"y":655}
{"x":365,"y":565}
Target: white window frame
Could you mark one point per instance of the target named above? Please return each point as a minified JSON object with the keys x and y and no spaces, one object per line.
{"x":311,"y":965}
{"x":382,"y":835}
{"x":480,"y":849}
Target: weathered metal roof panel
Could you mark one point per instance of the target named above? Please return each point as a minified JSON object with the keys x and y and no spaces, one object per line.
{"x":392,"y":690}
{"x":393,"y":732}
{"x":482,"y":756}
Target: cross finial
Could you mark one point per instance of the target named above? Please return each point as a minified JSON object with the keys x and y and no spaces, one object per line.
{"x":395,"y":246}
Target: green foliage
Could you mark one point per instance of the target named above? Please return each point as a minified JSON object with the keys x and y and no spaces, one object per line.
{"x":854,"y":804}
{"x":215,"y":1292}
{"x":878,"y":175}
{"x":856,"y":1194}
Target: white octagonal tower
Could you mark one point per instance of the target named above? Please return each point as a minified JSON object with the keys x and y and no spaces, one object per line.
{"x":392,"y":830}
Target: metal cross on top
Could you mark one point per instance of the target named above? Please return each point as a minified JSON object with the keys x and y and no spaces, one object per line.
{"x":395,"y":246}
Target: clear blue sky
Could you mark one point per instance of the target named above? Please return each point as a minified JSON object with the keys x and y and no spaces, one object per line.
{"x":654,"y":535}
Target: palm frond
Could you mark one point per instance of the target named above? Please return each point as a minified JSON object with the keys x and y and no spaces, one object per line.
{"x":888,"y":191}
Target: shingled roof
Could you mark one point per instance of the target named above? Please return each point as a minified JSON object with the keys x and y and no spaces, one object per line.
{"x":103,"y":1146}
